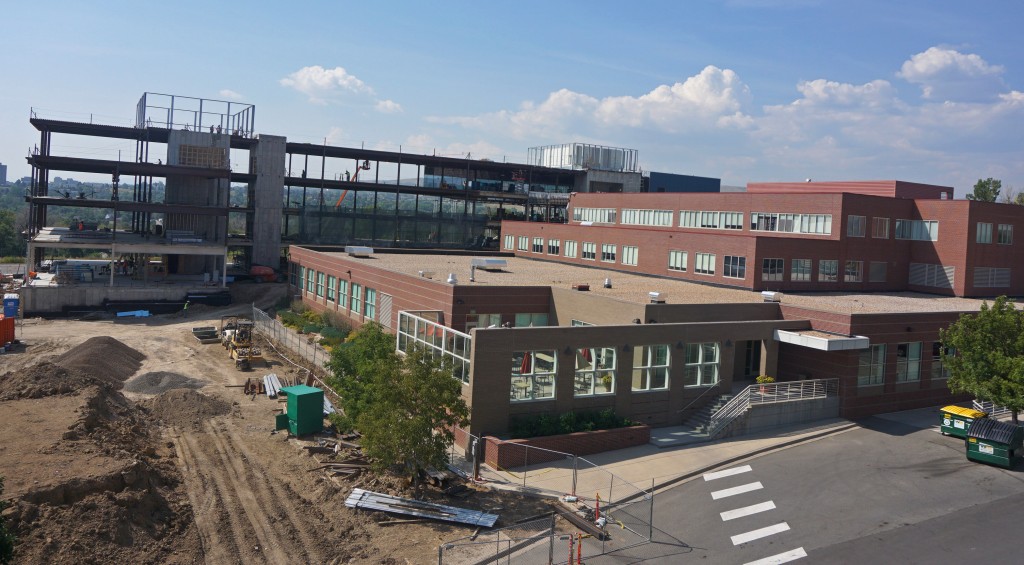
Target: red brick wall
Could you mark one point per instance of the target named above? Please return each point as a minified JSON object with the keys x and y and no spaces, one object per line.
{"x":512,"y":453}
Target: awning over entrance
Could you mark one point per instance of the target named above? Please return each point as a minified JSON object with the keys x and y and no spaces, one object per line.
{"x":822,"y":341}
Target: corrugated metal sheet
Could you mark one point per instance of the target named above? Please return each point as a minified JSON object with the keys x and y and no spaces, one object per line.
{"x":376,"y":501}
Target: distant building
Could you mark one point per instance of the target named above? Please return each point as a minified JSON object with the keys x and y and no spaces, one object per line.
{"x":3,"y":173}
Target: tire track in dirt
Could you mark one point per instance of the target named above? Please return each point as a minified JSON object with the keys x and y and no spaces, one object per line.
{"x":214,"y":494}
{"x":244,"y":469}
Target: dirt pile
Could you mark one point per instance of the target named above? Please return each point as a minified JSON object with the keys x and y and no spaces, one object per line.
{"x":99,"y":361}
{"x":103,"y":357}
{"x":156,"y":382}
{"x":184,"y":408}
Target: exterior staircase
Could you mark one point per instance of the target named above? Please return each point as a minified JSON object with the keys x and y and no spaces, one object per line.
{"x":697,"y":424}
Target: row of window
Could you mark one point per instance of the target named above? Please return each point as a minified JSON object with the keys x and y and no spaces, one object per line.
{"x":1004,"y":233}
{"x":871,"y":368}
{"x":609,"y":251}
{"x":534,"y":372}
{"x":920,"y":230}
{"x":347,"y":295}
{"x":819,"y":224}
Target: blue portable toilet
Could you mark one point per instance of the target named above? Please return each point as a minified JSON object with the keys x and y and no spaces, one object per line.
{"x":11,"y":301}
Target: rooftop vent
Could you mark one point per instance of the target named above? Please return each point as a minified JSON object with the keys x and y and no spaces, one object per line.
{"x":452,"y":279}
{"x":657,"y":297}
{"x":358,"y":250}
{"x":770,"y":296}
{"x":427,"y":274}
{"x":489,"y":264}
{"x":581,"y":287}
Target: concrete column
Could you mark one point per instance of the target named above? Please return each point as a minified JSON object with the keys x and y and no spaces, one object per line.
{"x":267,"y":162}
{"x":769,"y":357}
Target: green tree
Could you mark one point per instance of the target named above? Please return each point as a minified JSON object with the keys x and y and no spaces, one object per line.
{"x":984,"y":353}
{"x":7,"y":539}
{"x":409,"y":421}
{"x":355,"y":365}
{"x":11,"y":242}
{"x":986,"y":190}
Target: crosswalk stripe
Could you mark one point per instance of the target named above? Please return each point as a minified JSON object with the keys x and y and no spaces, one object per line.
{"x":726,"y":473}
{"x":747,"y":511}
{"x":786,"y":557}
{"x":736,"y":490}
{"x":759,"y":533}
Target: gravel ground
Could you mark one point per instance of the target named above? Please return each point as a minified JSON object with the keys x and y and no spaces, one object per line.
{"x":158,"y":382}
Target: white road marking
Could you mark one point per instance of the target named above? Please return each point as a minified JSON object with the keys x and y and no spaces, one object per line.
{"x":726,"y":473}
{"x":760,"y":533}
{"x":781,"y":558}
{"x":747,"y":511}
{"x":736,"y":490}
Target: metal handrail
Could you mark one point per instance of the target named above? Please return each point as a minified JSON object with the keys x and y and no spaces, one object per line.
{"x":770,"y":393}
{"x":701,"y":395}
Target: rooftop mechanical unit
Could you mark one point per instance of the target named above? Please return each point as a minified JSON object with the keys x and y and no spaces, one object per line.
{"x":658,"y":297}
{"x":358,"y":250}
{"x":770,"y":296}
{"x":489,"y":264}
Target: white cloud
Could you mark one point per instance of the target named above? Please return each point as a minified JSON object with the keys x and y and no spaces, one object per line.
{"x":319,"y":83}
{"x":388,"y":107}
{"x":230,"y":94}
{"x":948,"y":74}
{"x":334,"y":135}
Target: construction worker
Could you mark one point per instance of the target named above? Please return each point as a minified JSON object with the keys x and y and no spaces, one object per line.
{"x":184,"y":310}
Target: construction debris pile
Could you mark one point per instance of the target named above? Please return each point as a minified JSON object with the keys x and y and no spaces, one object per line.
{"x":99,"y":361}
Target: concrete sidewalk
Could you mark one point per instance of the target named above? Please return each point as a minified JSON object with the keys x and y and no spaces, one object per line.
{"x":615,"y":475}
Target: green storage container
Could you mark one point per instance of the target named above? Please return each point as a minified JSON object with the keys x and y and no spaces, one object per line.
{"x":956,"y":420}
{"x":281,"y":422}
{"x":995,"y":442}
{"x":305,"y":409}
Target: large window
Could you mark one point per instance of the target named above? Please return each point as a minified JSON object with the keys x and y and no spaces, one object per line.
{"x":871,"y":369}
{"x":908,"y":362}
{"x":533,"y":375}
{"x":801,"y":270}
{"x":442,"y":341}
{"x":629,"y":254}
{"x":608,"y":252}
{"x":828,"y":270}
{"x":939,"y":370}
{"x":370,"y":305}
{"x":510,"y":242}
{"x":295,"y":274}
{"x":701,"y":364}
{"x":984,"y":232}
{"x":1005,"y":234}
{"x":880,"y":230}
{"x":596,"y":215}
{"x":570,"y":248}
{"x":918,"y":230}
{"x":634,"y":217}
{"x":650,"y":367}
{"x":711,"y":220}
{"x":705,"y":264}
{"x":589,"y":251}
{"x":530,"y":320}
{"x":332,"y":282}
{"x":734,"y":267}
{"x":554,"y":247}
{"x":772,"y":269}
{"x":595,"y":371}
{"x":677,"y":261}
{"x":310,"y":281}
{"x":853,"y":271}
{"x":523,"y":243}
{"x":855,"y":226}
{"x":538,"y":245}
{"x":820,"y":224}
{"x":320,"y":284}
{"x":357,"y":299}
{"x":343,"y":293}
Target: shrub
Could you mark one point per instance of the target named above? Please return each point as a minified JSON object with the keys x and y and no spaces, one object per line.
{"x":298,"y":306}
{"x":547,"y":425}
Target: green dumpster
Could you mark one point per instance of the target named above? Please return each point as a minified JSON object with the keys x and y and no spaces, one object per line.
{"x":305,"y":409}
{"x":995,"y":442}
{"x":955,"y":421}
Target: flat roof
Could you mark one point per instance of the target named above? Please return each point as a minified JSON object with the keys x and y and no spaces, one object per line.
{"x":632,"y":287}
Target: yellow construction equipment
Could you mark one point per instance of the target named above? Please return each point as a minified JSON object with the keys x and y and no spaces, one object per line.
{"x":236,"y":335}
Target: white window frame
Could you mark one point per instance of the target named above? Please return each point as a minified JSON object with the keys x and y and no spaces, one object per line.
{"x":510,"y":241}
{"x":630,"y":254}
{"x":589,"y":251}
{"x":570,"y":248}
{"x":984,"y":232}
{"x":554,"y":247}
{"x":677,"y":260}
{"x":608,"y":252}
{"x":908,"y":366}
{"x":871,"y":366}
{"x":647,"y":369}
{"x":704,"y":264}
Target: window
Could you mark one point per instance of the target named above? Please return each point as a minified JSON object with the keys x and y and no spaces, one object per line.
{"x":554,"y":247}
{"x":650,"y":367}
{"x":939,"y":370}
{"x":533,"y":375}
{"x":878,"y":271}
{"x":510,"y":241}
{"x":677,"y":261}
{"x":310,"y":281}
{"x":661,"y":218}
{"x":570,"y":248}
{"x":855,"y":226}
{"x":701,"y":364}
{"x":917,"y":230}
{"x":991,"y":277}
{"x":595,"y":371}
{"x":734,"y":267}
{"x":854,"y":271}
{"x":531,"y":320}
{"x":357,"y":299}
{"x":705,"y":264}
{"x":801,"y":270}
{"x":820,"y":224}
{"x":711,"y":220}
{"x":524,"y":243}
{"x":319,"y":284}
{"x":342,"y":293}
{"x":370,"y":309}
{"x":908,"y":362}
{"x":772,"y":269}
{"x":828,"y":270}
{"x":629,"y":255}
{"x":596,"y":215}
{"x":1005,"y":234}
{"x":332,"y":282}
{"x":579,"y":323}
{"x":871,"y":369}
{"x":589,"y":251}
{"x":924,"y":274}
{"x":538,"y":245}
{"x":984,"y":232}
{"x":608,"y":252}
{"x":295,"y":274}
{"x":880,"y":230}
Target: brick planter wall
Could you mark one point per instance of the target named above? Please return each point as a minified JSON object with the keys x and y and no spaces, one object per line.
{"x":500,"y":454}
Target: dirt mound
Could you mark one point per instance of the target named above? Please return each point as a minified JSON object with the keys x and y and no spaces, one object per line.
{"x":48,"y":379}
{"x":103,"y":357}
{"x":157,"y":382}
{"x":185,"y":408}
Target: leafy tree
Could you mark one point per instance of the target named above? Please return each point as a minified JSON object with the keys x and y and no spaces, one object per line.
{"x":11,"y":242}
{"x":986,"y":190}
{"x":368,"y":355}
{"x":1011,"y":196}
{"x":6,"y":538}
{"x":985,"y":354}
{"x":413,"y":408}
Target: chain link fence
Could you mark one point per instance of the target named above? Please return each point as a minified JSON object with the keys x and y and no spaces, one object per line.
{"x":295,"y":349}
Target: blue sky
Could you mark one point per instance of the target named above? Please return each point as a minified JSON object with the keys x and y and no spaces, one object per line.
{"x":742,"y":90}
